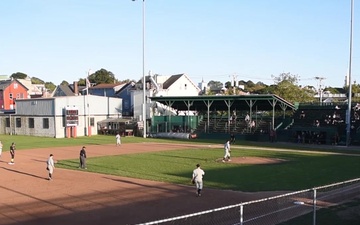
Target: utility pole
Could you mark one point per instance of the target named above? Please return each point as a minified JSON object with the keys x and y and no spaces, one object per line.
{"x":320,"y":88}
{"x":233,"y":83}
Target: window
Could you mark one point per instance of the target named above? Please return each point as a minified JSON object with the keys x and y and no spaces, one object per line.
{"x":20,"y":95}
{"x":7,"y":122}
{"x":92,"y":121}
{"x":18,"y":122}
{"x":46,"y":123}
{"x":10,"y":95}
{"x":31,"y":123}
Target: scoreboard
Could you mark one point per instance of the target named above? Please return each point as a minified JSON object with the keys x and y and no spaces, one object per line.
{"x":71,"y":116}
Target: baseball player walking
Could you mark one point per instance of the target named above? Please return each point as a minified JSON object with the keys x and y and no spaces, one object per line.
{"x":227,"y":151}
{"x":197,"y":178}
{"x":12,"y":153}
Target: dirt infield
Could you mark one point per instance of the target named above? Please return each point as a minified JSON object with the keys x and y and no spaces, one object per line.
{"x":80,"y":197}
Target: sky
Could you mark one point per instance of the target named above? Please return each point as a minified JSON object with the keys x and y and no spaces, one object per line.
{"x":205,"y":39}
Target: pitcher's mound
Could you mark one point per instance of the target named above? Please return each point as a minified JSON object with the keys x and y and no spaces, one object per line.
{"x":252,"y":160}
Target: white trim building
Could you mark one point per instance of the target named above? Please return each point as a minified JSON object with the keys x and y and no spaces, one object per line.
{"x":46,"y":116}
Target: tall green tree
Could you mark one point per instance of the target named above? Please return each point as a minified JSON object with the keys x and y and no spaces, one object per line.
{"x":286,"y":86}
{"x":64,"y":82}
{"x":228,"y":85}
{"x":102,"y":76}
{"x":50,"y":86}
{"x":215,"y":85}
{"x":18,"y":75}
{"x":36,"y":80}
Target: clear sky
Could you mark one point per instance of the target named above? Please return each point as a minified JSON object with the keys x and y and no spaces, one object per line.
{"x":58,"y":40}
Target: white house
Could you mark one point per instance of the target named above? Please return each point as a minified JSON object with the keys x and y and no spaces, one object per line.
{"x":175,"y":85}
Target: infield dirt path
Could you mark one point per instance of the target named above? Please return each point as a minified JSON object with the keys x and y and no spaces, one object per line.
{"x":81,"y":197}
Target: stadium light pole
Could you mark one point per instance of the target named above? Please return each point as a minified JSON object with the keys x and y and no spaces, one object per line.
{"x":348,"y":115}
{"x":143,"y":68}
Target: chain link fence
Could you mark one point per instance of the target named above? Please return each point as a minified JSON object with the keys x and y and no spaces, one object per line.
{"x":272,"y":210}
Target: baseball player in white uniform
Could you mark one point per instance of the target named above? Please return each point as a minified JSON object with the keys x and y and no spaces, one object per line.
{"x":197,"y":178}
{"x":118,"y":139}
{"x":50,"y":166}
{"x":227,"y":151}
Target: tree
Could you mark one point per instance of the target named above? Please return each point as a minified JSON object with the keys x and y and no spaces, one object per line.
{"x":209,"y":92}
{"x":102,"y":76}
{"x":287,"y":88}
{"x":35,"y":80}
{"x":18,"y":75}
{"x":215,"y":85}
{"x":332,"y":90}
{"x":228,"y":85}
{"x":286,"y":77}
{"x":50,"y":86}
{"x":64,"y":82}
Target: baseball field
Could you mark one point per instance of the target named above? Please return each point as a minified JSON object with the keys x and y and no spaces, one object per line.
{"x":149,"y":179}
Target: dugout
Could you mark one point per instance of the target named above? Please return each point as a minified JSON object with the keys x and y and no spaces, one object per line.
{"x":112,"y":126}
{"x":218,"y":116}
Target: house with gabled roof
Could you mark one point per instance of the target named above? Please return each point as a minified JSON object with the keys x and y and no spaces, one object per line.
{"x":108,"y":90}
{"x":178,"y":85}
{"x":161,"y":86}
{"x":69,"y":90}
{"x":34,"y":90}
{"x":10,"y":90}
{"x":63,"y":90}
{"x":125,"y":93}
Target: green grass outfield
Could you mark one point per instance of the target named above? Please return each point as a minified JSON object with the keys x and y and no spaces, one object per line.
{"x":310,"y":167}
{"x":300,"y":170}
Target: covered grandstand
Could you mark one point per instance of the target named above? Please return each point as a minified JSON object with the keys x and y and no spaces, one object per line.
{"x":256,"y":118}
{"x":225,"y":114}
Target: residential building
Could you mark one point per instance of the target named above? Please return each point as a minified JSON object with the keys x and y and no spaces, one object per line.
{"x":11,"y":90}
{"x":125,"y":94}
{"x":35,"y":90}
{"x":161,"y":86}
{"x":108,"y":90}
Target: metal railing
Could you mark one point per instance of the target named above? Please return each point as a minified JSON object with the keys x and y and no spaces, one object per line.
{"x":273,"y":210}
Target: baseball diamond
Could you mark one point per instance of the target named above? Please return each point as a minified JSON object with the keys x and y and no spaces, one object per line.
{"x":77,"y":197}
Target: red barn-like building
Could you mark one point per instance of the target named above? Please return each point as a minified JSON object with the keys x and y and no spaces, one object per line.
{"x":10,"y":90}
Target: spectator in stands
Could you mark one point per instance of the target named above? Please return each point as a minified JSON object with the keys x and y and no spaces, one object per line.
{"x":336,"y":138}
{"x":233,"y":118}
{"x":299,"y":138}
{"x":356,"y":116}
{"x":272,"y":135}
{"x":232,"y":138}
{"x":247,"y":118}
{"x":327,"y":119}
{"x":302,"y":115}
{"x":317,"y":123}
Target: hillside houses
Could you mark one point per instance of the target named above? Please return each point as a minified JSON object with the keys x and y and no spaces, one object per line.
{"x":47,"y":115}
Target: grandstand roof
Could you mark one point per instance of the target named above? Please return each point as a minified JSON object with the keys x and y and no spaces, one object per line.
{"x":221,"y":102}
